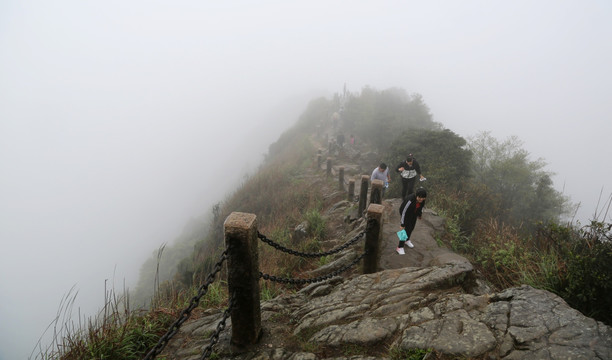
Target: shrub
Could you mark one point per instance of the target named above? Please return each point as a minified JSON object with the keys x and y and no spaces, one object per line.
{"x":588,"y":281}
{"x":316,"y":224}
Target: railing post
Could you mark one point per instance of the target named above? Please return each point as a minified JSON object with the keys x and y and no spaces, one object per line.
{"x":341,"y":178}
{"x":373,"y":237}
{"x":329,"y":166}
{"x":376,"y":192}
{"x":363,"y":194}
{"x":351,"y":190}
{"x":243,"y":277}
{"x":319,"y":161}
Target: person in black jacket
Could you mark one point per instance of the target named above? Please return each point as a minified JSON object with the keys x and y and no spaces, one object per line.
{"x":409,"y":169}
{"x":410,"y":210}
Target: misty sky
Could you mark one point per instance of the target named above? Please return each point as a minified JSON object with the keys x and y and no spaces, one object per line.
{"x":120,"y":120}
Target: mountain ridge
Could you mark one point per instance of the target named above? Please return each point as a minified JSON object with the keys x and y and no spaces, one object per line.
{"x":430,"y":303}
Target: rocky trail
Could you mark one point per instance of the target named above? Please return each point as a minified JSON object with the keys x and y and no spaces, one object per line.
{"x":428,"y":299}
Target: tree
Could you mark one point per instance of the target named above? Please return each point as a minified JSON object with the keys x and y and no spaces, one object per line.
{"x":524,"y":187}
{"x":377,"y":116}
{"x":441,"y":154}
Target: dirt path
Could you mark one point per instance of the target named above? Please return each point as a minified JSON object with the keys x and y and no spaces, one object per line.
{"x":426,"y":250}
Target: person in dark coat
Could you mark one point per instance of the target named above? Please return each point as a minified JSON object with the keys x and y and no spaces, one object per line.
{"x":409,"y":170}
{"x":410,"y":209}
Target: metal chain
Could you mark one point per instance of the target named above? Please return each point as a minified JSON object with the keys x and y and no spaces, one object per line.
{"x":220,"y":327}
{"x":280,"y":247}
{"x":163,"y":341}
{"x":312,"y":280}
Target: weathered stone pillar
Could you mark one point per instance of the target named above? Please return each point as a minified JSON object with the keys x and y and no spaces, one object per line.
{"x":329,"y":166}
{"x":363,"y":194}
{"x":243,"y":277}
{"x":351,"y":190}
{"x":376,"y":192}
{"x":373,"y":238}
{"x":341,"y":178}
{"x":319,"y":161}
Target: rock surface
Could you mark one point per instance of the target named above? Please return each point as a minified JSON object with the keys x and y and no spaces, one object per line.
{"x":414,"y":307}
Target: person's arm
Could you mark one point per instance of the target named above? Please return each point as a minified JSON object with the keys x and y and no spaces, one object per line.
{"x":400,"y":167}
{"x":373,"y":176}
{"x":417,"y":167}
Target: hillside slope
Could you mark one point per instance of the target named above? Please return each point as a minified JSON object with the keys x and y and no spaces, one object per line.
{"x":429,"y":301}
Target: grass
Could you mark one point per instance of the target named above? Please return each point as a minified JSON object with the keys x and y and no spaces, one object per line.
{"x":396,"y":353}
{"x":116,"y":332}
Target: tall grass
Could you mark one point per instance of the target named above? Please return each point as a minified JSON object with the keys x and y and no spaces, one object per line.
{"x":117,"y":332}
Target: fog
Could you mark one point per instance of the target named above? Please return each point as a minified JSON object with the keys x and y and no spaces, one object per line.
{"x":119,"y":121}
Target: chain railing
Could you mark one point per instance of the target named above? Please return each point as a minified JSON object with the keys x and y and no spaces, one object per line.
{"x":232,"y":303}
{"x":280,"y":247}
{"x":312,"y":280}
{"x":314,"y":255}
{"x":220,"y":327}
{"x":174,"y":328}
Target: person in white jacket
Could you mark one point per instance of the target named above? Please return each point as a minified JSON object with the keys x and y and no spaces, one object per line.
{"x":381,"y":173}
{"x":409,"y":170}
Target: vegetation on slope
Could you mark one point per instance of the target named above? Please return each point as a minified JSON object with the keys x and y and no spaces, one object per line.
{"x":501,"y":208}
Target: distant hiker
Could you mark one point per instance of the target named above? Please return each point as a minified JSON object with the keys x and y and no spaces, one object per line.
{"x":381,"y":173}
{"x":408,"y":170}
{"x":410,"y":210}
{"x":340,"y":140}
{"x":352,"y":141}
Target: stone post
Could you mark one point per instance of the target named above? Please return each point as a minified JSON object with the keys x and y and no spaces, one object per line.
{"x":319,"y":161}
{"x":351,"y":190}
{"x":376,"y":192}
{"x":341,"y":178}
{"x":329,"y":166}
{"x":243,"y":277}
{"x":363,"y":194}
{"x":373,"y":238}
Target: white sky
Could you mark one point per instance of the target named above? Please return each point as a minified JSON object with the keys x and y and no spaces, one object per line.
{"x":120,"y":120}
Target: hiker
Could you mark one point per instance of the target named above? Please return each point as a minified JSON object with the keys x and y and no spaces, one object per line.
{"x":340,"y":139}
{"x":381,"y":173}
{"x":409,"y":169}
{"x":410,"y":210}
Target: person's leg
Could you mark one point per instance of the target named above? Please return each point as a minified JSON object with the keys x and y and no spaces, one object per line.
{"x":404,"y":187}
{"x":410,"y":185}
{"x":409,"y":233}
{"x":400,"y":248}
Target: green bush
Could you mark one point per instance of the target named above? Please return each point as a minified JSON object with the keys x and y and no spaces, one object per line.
{"x":588,"y":281}
{"x":316,"y":224}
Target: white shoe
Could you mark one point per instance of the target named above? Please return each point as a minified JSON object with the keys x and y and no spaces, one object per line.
{"x":423,"y":179}
{"x":409,"y":243}
{"x":400,"y":250}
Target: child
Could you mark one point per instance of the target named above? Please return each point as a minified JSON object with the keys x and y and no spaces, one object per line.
{"x":410,"y":210}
